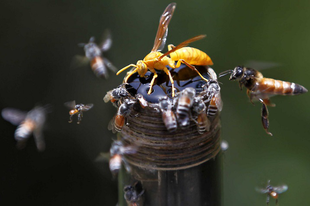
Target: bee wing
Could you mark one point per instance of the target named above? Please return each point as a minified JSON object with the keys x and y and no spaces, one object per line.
{"x":87,"y":107}
{"x":103,"y":157}
{"x":261,"y":65}
{"x":218,"y":101}
{"x":14,"y":116}
{"x":39,"y":139}
{"x":129,"y":149}
{"x":111,"y":125}
{"x":261,"y":190}
{"x":107,"y":40}
{"x":109,"y":64}
{"x":280,"y":189}
{"x":108,"y":96}
{"x":70,"y":104}
{"x":162,"y":31}
{"x":78,"y":61}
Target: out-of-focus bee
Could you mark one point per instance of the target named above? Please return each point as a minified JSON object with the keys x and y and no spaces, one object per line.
{"x":185,"y":102}
{"x":77,"y":109}
{"x":133,"y":193}
{"x":118,"y":121}
{"x":168,"y":116}
{"x":28,"y":122}
{"x":93,"y":52}
{"x":272,"y":191}
{"x":117,"y":152}
{"x":157,"y":60}
{"x":115,"y":95}
{"x":261,"y":89}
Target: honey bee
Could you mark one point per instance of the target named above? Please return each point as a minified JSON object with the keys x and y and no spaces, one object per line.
{"x":261,"y":88}
{"x":118,"y":121}
{"x":272,"y":191}
{"x":117,"y":152}
{"x":185,"y":102}
{"x":115,"y":95}
{"x":77,"y":109}
{"x":31,"y":122}
{"x":200,"y":115}
{"x":168,"y":116}
{"x":93,"y":52}
{"x":159,"y":61}
{"x":133,"y":193}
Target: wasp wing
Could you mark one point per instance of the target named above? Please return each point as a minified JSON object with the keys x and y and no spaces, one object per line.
{"x":162,"y":31}
{"x":14,"y":116}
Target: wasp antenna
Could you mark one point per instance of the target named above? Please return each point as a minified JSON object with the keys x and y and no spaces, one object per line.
{"x":130,"y":65}
{"x":224,"y":73}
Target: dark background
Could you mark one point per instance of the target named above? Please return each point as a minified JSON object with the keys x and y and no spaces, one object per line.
{"x":39,"y":40}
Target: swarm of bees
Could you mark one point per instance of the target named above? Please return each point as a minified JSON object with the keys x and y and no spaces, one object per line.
{"x":261,"y":89}
{"x":272,"y":191}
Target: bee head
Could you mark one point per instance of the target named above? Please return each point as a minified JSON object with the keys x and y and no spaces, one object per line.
{"x":237,"y":73}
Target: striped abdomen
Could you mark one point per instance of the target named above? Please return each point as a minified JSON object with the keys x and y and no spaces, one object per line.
{"x":115,"y":163}
{"x":203,"y":123}
{"x":272,"y":86}
{"x":119,"y":122}
{"x":169,"y":120}
{"x":212,"y":108}
{"x":98,"y":67}
{"x":192,"y":56}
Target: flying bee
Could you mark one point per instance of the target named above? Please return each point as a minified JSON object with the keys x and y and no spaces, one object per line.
{"x":31,"y":122}
{"x":117,"y":152}
{"x":77,"y":109}
{"x":133,"y":193}
{"x":156,"y":60}
{"x":93,"y":53}
{"x":118,"y":121}
{"x":261,"y":88}
{"x":185,"y":102}
{"x":272,"y":191}
{"x":168,"y":116}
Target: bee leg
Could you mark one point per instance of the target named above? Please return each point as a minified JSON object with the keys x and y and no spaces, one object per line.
{"x":193,"y":68}
{"x":264,"y":114}
{"x":240,"y":86}
{"x":171,"y":80}
{"x":248,"y":92}
{"x":152,"y":82}
{"x":267,"y":200}
{"x":277,"y":202}
{"x":70,"y":121}
{"x":80,"y":115}
{"x":268,"y":103}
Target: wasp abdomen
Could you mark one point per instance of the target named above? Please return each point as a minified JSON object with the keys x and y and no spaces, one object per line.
{"x":274,"y":86}
{"x":192,"y":56}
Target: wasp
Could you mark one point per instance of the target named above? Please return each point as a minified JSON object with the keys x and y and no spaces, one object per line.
{"x":118,"y":121}
{"x":117,"y":152}
{"x":77,"y":109}
{"x":159,"y":61}
{"x":31,"y":122}
{"x":168,"y":116}
{"x":272,"y":191}
{"x":185,"y":101}
{"x":93,"y":53}
{"x":261,"y":88}
{"x":133,"y":193}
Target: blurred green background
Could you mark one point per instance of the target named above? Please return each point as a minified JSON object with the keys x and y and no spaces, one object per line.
{"x":39,"y":40}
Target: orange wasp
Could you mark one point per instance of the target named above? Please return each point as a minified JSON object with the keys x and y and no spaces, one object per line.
{"x":157,"y":60}
{"x":261,"y":88}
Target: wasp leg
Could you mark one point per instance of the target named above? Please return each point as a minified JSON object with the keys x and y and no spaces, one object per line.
{"x":265,"y":120}
{"x":191,"y":67}
{"x":171,"y":79}
{"x":152,"y":82}
{"x":248,"y":92}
